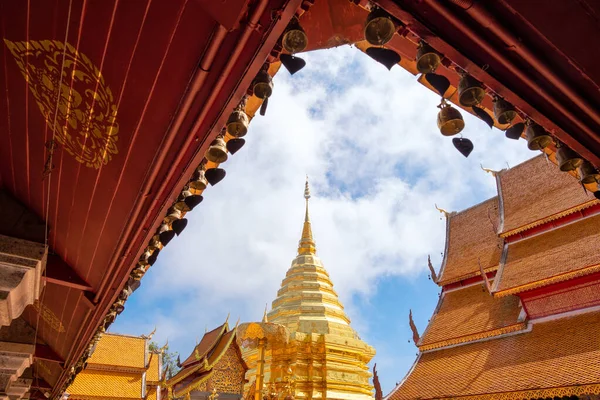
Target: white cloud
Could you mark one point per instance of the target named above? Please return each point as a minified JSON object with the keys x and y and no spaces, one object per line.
{"x":369,"y":142}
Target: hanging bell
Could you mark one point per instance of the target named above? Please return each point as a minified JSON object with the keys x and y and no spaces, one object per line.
{"x":588,"y":173}
{"x":294,"y":39}
{"x":379,"y":27}
{"x":537,"y":137}
{"x":263,"y":85}
{"x":427,"y":58}
{"x":217,"y":152}
{"x":172,"y":215}
{"x":198,"y":182}
{"x":155,"y":243}
{"x":181,"y":203}
{"x":449,"y":120}
{"x":568,"y":159}
{"x":237,"y":123}
{"x":470,"y":91}
{"x":504,"y":111}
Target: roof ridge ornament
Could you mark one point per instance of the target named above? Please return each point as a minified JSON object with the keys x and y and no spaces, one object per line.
{"x":413,"y":328}
{"x":265,"y":319}
{"x":434,"y":276}
{"x":489,"y":171}
{"x":486,"y":281}
{"x":446,"y":213}
{"x":149,"y":336}
{"x":307,"y":243}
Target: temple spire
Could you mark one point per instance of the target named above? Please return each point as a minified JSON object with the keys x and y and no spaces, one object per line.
{"x":307,"y":243}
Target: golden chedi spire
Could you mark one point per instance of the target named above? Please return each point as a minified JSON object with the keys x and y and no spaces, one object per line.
{"x":333,"y":357}
{"x":307,"y":243}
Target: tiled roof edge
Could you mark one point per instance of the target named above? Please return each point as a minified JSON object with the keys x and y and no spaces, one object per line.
{"x":552,"y":217}
{"x":476,"y":336}
{"x":554,"y":392}
{"x":399,"y":385}
{"x":467,"y":276}
{"x":549,"y":281}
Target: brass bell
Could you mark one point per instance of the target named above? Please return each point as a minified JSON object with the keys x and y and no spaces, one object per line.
{"x":294,"y":39}
{"x":588,"y":173}
{"x":217,"y":152}
{"x":198,"y":182}
{"x":537,"y":137}
{"x":449,"y":120}
{"x":237,"y":123}
{"x":379,"y":27}
{"x":427,"y":58}
{"x":504,"y":111}
{"x":155,"y":243}
{"x":172,"y":215}
{"x":470,"y":91}
{"x":568,"y":159}
{"x":181,"y":204}
{"x":263,"y":85}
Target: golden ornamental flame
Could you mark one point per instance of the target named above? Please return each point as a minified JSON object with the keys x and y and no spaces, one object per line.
{"x":73,"y":97}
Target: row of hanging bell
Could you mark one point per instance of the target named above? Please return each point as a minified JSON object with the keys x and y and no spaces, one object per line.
{"x":238,"y":121}
{"x":217,"y":152}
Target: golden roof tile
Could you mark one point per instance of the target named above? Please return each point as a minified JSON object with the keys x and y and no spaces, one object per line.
{"x":106,"y":385}
{"x":557,"y":358}
{"x":468,"y":314}
{"x":153,"y":373}
{"x":535,"y":192}
{"x":471,"y":238}
{"x":563,"y":253}
{"x":120,"y":351}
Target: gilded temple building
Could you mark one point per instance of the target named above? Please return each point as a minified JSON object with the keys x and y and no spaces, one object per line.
{"x":120,"y":367}
{"x":214,"y":369}
{"x":322,"y":357}
{"x":519,"y":313}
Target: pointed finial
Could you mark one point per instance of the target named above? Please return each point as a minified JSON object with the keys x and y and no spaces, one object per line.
{"x":413,"y":327}
{"x":307,"y":243}
{"x":446,"y":213}
{"x":431,"y":269}
{"x":306,"y":189}
{"x":265,"y":319}
{"x":486,"y":281}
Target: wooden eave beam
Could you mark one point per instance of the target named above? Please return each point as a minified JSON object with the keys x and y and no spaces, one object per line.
{"x":58,"y":272}
{"x":40,"y":384}
{"x":46,"y":353}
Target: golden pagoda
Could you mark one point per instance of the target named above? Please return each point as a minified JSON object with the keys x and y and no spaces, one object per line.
{"x":323,"y":357}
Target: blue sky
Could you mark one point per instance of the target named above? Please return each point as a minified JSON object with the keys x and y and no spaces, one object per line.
{"x":367,"y":138}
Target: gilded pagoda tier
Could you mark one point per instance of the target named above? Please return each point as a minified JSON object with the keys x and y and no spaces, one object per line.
{"x":324,"y":357}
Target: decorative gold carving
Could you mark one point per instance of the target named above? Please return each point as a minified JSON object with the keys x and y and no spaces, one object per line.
{"x":441,"y":210}
{"x":49,"y":317}
{"x":539,"y":393}
{"x":489,"y":171}
{"x":549,"y":281}
{"x":477,"y":336}
{"x":550,"y":218}
{"x":84,"y":120}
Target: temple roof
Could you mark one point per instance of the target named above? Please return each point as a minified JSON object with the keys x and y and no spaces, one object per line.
{"x":471,"y":238}
{"x":469,"y":314}
{"x":105,"y":385}
{"x":535,"y":192}
{"x":560,"y":254}
{"x":557,"y":354}
{"x":204,"y":357}
{"x":153,"y":374}
{"x":207,"y":343}
{"x":120,"y":351}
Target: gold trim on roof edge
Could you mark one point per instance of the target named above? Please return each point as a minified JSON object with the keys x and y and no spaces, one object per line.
{"x":193,"y":386}
{"x":475,"y":336}
{"x":537,"y":393}
{"x":549,"y":281}
{"x":553,"y":217}
{"x":468,"y":276}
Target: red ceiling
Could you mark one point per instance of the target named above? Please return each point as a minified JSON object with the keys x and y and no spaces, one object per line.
{"x":133,"y":64}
